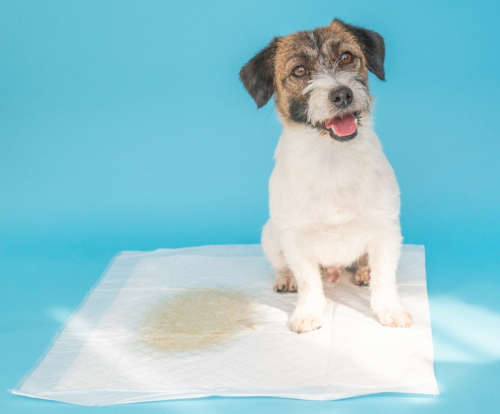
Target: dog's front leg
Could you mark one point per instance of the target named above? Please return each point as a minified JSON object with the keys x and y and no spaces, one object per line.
{"x":383,"y":255}
{"x":311,"y":303}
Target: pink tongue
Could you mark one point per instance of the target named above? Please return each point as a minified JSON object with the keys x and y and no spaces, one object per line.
{"x":342,"y":127}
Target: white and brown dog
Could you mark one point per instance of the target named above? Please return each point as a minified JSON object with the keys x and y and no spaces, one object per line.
{"x":334,"y":199}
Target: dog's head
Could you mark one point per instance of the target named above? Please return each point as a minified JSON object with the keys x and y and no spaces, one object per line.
{"x":319,"y":77}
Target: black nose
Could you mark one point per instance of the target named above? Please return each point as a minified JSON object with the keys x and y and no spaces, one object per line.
{"x":341,"y":96}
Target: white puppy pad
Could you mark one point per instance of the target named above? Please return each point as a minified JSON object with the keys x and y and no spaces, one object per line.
{"x":202,"y":321}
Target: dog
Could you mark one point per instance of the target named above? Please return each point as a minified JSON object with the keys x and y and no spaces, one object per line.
{"x":333,"y":196}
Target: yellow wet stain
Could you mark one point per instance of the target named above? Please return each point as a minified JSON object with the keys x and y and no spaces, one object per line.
{"x":196,"y":319}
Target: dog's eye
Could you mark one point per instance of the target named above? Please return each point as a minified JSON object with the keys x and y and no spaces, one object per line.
{"x":299,"y":71}
{"x":346,"y":58}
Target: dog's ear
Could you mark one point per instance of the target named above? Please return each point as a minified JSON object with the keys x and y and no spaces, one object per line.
{"x":372,"y":45}
{"x":258,"y":74}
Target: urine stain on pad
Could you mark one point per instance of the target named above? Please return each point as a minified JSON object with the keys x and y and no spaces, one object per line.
{"x":196,"y":319}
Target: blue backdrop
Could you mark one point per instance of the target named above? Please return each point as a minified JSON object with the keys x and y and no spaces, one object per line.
{"x":123,"y":125}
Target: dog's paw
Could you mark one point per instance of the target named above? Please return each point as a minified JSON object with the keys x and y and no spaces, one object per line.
{"x":285,"y":282}
{"x":303,"y":320}
{"x":361,"y":276}
{"x":394,"y":317}
{"x":331,"y":274}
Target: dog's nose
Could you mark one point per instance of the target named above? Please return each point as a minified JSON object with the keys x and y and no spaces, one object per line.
{"x":341,"y":96}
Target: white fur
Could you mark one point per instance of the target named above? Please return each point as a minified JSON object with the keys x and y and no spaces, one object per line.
{"x":330,"y":203}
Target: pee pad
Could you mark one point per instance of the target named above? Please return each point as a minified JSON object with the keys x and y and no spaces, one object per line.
{"x":204,"y":321}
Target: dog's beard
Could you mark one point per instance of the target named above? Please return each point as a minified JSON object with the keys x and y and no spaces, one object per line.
{"x":340,"y":124}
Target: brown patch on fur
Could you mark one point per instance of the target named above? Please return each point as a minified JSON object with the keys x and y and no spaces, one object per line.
{"x":314,"y":50}
{"x":348,"y":38}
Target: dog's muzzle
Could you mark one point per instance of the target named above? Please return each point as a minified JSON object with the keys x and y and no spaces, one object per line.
{"x":343,"y":127}
{"x":336,"y":103}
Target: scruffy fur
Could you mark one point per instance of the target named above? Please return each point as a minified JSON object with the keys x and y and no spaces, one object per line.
{"x":334,"y":200}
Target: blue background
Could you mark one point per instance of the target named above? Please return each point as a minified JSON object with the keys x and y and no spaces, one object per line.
{"x":123,"y":125}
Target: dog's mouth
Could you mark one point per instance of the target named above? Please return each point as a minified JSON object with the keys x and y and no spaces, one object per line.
{"x":344,"y":127}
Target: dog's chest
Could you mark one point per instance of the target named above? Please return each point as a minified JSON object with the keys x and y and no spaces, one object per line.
{"x":325,"y":186}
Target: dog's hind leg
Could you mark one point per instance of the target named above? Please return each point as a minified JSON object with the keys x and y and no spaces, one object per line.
{"x":284,"y":280}
{"x":361,"y":271}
